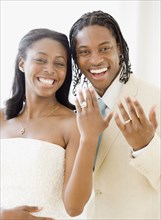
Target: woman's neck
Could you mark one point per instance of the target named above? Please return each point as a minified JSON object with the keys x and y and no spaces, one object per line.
{"x":39,"y":109}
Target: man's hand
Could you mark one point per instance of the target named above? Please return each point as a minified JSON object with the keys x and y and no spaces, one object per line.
{"x":136,"y":128}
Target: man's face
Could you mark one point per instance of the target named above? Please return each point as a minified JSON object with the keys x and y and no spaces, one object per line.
{"x":98,"y":56}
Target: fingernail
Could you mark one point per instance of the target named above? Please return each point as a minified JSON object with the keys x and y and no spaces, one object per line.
{"x":39,"y":207}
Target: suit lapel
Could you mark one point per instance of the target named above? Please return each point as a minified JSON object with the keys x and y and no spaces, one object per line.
{"x":112,"y":132}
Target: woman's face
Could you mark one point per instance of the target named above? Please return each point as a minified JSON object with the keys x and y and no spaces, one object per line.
{"x":98,"y":56}
{"x":45,"y":67}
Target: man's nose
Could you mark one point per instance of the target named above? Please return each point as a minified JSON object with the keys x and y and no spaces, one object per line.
{"x":96,"y":59}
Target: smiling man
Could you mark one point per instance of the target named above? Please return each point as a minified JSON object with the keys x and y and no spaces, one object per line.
{"x":126,"y":178}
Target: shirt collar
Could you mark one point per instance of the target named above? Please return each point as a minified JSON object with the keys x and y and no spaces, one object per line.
{"x":111,"y":93}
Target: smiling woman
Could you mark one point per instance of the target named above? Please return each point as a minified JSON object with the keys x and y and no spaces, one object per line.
{"x":46,"y":66}
{"x":36,"y":64}
{"x":44,"y":163}
{"x":42,"y":75}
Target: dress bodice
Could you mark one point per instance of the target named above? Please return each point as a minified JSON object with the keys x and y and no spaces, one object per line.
{"x":32,"y":173}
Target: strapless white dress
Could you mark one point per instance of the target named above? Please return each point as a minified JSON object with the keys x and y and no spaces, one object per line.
{"x":32,"y":173}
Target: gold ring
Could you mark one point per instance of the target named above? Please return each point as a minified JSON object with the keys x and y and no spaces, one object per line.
{"x":84,"y":104}
{"x":126,"y":122}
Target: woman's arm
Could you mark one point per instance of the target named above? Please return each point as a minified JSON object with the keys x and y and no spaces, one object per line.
{"x":80,"y":160}
{"x":21,"y":213}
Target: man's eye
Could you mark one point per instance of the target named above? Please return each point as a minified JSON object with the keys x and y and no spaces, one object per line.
{"x":83,"y":52}
{"x":105,"y":49}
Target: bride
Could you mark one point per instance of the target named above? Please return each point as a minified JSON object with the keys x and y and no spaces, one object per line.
{"x":47,"y":151}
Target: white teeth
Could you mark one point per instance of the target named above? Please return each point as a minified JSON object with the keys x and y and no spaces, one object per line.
{"x":97,"y":71}
{"x":46,"y":81}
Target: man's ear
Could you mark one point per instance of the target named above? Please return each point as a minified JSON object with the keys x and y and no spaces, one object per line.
{"x":21,"y":64}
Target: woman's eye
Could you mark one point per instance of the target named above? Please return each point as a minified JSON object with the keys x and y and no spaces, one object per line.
{"x":40,"y":60}
{"x":60,"y":64}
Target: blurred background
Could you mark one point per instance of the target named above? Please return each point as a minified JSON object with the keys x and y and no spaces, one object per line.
{"x":138,"y":20}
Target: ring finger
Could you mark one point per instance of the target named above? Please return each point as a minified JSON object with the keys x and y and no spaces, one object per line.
{"x":124,"y":114}
{"x":81,"y":99}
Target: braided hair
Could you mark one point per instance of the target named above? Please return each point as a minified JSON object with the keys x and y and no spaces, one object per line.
{"x":105,"y":20}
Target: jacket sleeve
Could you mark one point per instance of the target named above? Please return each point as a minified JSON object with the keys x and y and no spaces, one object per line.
{"x":148,"y":163}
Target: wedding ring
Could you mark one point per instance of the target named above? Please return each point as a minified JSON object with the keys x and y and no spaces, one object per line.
{"x":126,"y":122}
{"x":84,"y":104}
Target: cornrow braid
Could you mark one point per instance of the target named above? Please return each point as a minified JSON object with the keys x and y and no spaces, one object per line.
{"x":105,"y":20}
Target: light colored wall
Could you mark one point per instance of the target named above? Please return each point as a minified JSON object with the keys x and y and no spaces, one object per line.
{"x":139,"y":22}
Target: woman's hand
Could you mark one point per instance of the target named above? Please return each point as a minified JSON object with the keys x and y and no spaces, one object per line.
{"x":89,"y":118}
{"x":21,"y":212}
{"x":137,"y":128}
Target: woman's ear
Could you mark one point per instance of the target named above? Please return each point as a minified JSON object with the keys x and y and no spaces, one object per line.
{"x":118,"y":48}
{"x":21,"y":64}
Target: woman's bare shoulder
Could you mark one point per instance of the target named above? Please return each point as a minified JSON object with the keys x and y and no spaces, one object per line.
{"x":2,"y":117}
{"x":2,"y":114}
{"x":67,"y":113}
{"x":68,"y":118}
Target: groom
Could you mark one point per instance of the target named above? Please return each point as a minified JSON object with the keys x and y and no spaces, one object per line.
{"x":126,"y":179}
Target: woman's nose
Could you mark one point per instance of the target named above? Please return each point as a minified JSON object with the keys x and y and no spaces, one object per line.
{"x":49,"y":68}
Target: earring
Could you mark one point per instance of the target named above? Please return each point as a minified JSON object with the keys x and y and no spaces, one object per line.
{"x":22,"y":69}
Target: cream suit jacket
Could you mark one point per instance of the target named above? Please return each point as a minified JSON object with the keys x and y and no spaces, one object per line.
{"x":126,"y":187}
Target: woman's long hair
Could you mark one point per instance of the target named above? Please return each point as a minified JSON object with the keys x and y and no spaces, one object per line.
{"x":14,"y":104}
{"x":102,"y":19}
